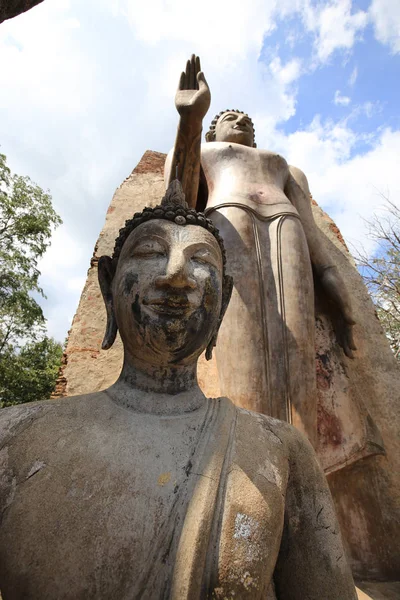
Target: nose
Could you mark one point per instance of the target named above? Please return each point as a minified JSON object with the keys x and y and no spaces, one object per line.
{"x":177,"y":274}
{"x":241,"y":119}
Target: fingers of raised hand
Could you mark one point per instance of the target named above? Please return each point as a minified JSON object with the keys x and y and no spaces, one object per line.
{"x":182,"y":82}
{"x":201,"y":81}
{"x":188,"y":79}
{"x":193,"y":73}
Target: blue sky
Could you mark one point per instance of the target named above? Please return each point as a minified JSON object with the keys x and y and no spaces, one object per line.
{"x":369,"y":73}
{"x":88,"y":86}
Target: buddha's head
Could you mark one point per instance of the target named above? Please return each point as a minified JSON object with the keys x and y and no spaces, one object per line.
{"x":165,"y":287}
{"x":232,"y":126}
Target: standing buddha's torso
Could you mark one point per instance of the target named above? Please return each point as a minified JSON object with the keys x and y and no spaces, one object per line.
{"x":243,"y":175}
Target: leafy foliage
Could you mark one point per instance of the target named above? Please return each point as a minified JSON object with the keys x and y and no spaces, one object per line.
{"x":381,"y":272}
{"x":29,"y":374}
{"x":27,"y":219}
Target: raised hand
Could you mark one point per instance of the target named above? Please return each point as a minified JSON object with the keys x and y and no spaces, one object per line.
{"x":193,"y":95}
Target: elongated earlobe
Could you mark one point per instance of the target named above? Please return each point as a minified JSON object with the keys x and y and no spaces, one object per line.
{"x":227,"y":286}
{"x":106,"y":272}
{"x":210,"y":136}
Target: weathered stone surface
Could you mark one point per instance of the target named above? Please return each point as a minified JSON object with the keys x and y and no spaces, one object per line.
{"x":349,"y":391}
{"x":261,"y":206}
{"x":125,"y":503}
{"x":367,"y":492}
{"x":12,"y":8}
{"x":370,"y":590}
{"x":148,"y":489}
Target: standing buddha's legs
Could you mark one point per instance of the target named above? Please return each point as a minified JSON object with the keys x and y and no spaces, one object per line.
{"x":265,"y":351}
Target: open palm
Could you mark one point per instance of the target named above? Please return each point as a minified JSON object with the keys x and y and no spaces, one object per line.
{"x":193,"y":95}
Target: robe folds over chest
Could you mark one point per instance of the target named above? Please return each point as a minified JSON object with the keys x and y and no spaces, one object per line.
{"x":99,"y":501}
{"x":70,"y":501}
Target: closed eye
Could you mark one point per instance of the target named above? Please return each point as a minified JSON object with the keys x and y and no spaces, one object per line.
{"x":148,"y":250}
{"x":205,"y":259}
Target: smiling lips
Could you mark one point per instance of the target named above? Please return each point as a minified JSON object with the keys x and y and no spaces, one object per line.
{"x":171,"y":305}
{"x":241,"y":127}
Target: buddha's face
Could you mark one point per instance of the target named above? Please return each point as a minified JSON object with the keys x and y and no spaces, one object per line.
{"x":167,"y":291}
{"x":234,"y":127}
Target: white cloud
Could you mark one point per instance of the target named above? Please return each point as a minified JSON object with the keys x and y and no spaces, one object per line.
{"x":348,"y":187}
{"x":334,"y":26}
{"x":223,"y":30}
{"x":228,"y":39}
{"x":385,"y":15}
{"x":62,"y":254}
{"x":353,"y":77}
{"x":43,"y":40}
{"x":287,"y":73}
{"x":319,"y":145}
{"x":66,"y":257}
{"x":341,"y":100}
{"x":85,"y":97}
{"x":90,"y":87}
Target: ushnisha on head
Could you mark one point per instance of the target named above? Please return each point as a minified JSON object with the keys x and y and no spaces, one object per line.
{"x":232,"y":126}
{"x":165,"y":287}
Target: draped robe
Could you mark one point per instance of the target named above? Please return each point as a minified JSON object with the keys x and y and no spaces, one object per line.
{"x":101,"y":502}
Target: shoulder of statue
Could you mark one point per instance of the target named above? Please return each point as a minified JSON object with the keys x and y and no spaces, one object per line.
{"x":207,"y":147}
{"x":15,"y":419}
{"x":278,"y":432}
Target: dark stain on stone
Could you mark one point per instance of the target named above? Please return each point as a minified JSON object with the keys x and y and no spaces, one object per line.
{"x":188,"y":468}
{"x":330,"y":431}
{"x":168,"y":550}
{"x":324,"y":371}
{"x":130,"y":280}
{"x":137,"y":313}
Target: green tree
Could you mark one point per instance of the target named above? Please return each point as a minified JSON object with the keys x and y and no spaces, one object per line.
{"x":27,"y":219}
{"x":31,"y":373}
{"x":381,"y":271}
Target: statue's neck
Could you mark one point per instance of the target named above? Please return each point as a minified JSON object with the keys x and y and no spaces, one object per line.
{"x":160,"y":390}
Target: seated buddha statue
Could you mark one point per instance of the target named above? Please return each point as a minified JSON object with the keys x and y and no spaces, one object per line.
{"x":148,"y":489}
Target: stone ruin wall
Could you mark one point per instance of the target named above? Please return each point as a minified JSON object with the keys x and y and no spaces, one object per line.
{"x":366,"y":492}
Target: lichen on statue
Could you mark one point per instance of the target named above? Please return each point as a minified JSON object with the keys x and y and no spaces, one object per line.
{"x":149,"y":489}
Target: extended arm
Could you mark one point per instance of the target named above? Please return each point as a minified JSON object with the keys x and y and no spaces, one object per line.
{"x":311,"y":563}
{"x":298,"y":193}
{"x":192,"y":102}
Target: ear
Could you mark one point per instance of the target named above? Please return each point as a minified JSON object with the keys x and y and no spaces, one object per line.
{"x":210,"y":136}
{"x":227,"y":286}
{"x":106,"y":272}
